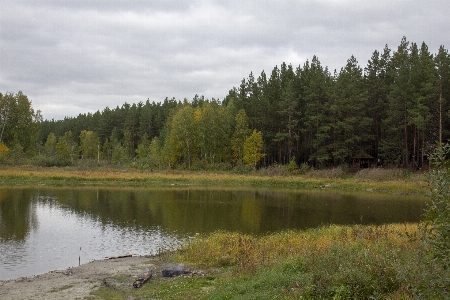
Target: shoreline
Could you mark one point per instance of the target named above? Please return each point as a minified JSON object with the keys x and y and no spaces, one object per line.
{"x":77,"y":282}
{"x":382,"y":181}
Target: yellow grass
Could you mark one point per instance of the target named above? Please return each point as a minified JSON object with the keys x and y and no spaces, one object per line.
{"x":73,"y":175}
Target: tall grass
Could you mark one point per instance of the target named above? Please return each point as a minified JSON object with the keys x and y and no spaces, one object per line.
{"x":335,"y":262}
{"x":381,"y":174}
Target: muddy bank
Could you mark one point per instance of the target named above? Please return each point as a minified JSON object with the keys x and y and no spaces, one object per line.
{"x":76,"y":283}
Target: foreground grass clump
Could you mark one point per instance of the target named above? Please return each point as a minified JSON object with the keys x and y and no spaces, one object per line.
{"x":334,"y":262}
{"x":357,"y":262}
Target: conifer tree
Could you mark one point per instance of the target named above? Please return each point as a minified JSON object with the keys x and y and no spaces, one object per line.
{"x":394,"y":147}
{"x":351,"y":125}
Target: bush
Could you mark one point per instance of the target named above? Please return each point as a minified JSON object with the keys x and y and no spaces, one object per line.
{"x":436,"y":228}
{"x":303,"y":169}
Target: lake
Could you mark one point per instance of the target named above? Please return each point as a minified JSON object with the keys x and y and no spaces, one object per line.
{"x":48,"y":228}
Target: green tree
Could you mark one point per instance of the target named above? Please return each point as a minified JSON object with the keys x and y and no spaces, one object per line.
{"x":442,"y":62}
{"x":155,"y":155}
{"x":288,"y":113}
{"x":253,"y":146}
{"x":19,"y":123}
{"x":89,"y":144}
{"x":66,"y":149}
{"x":50,"y":145}
{"x":211,"y":132}
{"x":395,"y":145}
{"x":378,"y":80}
{"x":423,"y":79}
{"x":142,"y":150}
{"x":351,"y":123}
{"x":315,"y":121}
{"x":240,"y":134}
{"x":182,"y":135}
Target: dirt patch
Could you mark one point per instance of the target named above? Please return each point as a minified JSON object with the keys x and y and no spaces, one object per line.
{"x":78,"y":282}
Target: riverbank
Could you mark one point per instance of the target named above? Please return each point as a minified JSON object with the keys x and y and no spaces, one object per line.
{"x":339,"y":262}
{"x":376,"y":180}
{"x":73,"y":283}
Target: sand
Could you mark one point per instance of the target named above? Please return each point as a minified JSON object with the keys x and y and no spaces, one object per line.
{"x":75,"y":283}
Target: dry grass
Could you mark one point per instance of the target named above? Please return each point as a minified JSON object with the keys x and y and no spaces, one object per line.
{"x":251,"y":252}
{"x":334,"y":262}
{"x":111,"y":176}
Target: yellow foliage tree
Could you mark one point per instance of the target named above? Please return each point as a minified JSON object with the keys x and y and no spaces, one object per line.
{"x":253,"y":146}
{"x":3,"y":149}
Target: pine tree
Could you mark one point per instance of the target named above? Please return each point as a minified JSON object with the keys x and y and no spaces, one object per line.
{"x":394,"y":148}
{"x":442,"y":62}
{"x":315,"y":121}
{"x":377,"y":81}
{"x":351,"y":122}
{"x":288,"y":113}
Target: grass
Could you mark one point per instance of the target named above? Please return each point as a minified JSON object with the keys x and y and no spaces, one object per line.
{"x":391,"y":181}
{"x":333,"y":262}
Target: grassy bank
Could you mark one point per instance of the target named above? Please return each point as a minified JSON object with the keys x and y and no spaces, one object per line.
{"x":392,"y":181}
{"x":335,"y":262}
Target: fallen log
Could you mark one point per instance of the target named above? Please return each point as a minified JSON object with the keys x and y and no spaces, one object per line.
{"x":143,"y":278}
{"x":172,"y":273}
{"x":119,"y":256}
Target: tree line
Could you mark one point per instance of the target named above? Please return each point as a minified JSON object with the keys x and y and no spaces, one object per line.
{"x":395,"y":110}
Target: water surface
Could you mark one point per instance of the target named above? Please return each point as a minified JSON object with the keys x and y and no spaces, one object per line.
{"x":45,"y":228}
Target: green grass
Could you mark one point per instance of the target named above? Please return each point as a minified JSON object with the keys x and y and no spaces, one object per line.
{"x":333,"y":262}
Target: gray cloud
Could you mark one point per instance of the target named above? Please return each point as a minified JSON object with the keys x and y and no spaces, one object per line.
{"x":74,"y":57}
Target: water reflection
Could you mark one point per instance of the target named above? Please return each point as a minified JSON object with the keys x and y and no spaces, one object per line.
{"x":17,"y":213}
{"x":43,"y":228}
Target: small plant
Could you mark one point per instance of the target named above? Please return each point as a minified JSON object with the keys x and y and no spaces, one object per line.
{"x":304,"y":167}
{"x":292,"y":166}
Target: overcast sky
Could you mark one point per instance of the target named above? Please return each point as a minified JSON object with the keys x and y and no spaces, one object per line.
{"x":72,"y":57}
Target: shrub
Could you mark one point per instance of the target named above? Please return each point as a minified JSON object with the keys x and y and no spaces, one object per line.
{"x":436,"y":228}
{"x":303,"y":169}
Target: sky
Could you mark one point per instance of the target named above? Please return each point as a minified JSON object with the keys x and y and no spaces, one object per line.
{"x":72,"y":57}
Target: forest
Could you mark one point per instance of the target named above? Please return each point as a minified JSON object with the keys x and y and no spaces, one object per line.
{"x":395,"y":111}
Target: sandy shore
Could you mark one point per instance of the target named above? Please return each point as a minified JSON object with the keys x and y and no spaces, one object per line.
{"x":78,"y":282}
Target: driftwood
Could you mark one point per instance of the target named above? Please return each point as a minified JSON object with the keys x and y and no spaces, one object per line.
{"x":172,"y":273}
{"x":119,"y":256}
{"x":142,"y":278}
